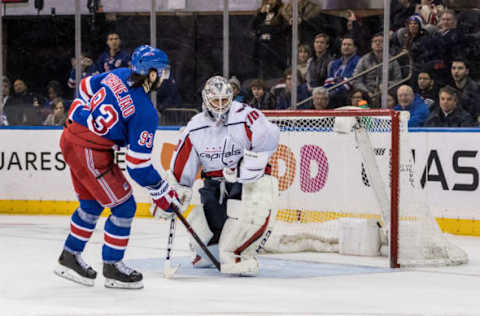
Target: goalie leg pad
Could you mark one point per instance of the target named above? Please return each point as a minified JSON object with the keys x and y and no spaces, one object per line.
{"x":247,"y":222}
{"x":239,"y":241}
{"x":264,"y":191}
{"x":248,"y":267}
{"x":196,"y":218}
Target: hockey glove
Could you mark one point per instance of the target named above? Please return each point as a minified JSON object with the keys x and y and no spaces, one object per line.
{"x":165,"y":199}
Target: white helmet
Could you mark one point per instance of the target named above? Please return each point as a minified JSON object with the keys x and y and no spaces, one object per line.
{"x":217,"y":97}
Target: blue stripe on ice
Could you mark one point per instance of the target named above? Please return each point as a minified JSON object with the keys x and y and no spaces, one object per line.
{"x":269,"y":268}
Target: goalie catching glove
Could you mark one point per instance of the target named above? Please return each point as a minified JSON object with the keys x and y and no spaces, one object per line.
{"x":165,"y":199}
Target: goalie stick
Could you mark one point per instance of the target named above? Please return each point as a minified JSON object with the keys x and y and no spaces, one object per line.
{"x":179,"y":214}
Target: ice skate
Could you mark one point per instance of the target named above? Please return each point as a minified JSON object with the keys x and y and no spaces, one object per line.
{"x":72,"y":267}
{"x":201,"y":261}
{"x":118,"y":275}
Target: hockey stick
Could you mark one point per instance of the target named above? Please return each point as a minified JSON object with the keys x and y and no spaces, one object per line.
{"x":214,"y":260}
{"x":168,"y":269}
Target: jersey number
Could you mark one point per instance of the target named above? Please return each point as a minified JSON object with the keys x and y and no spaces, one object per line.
{"x":102,"y":124}
{"x":109,"y":117}
{"x":146,"y":139}
{"x":97,"y":98}
{"x":253,"y":116}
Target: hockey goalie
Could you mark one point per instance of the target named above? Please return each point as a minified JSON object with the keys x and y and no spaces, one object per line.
{"x":232,"y":143}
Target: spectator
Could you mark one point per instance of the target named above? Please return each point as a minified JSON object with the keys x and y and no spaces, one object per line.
{"x":448,"y":21}
{"x":371,"y":81}
{"x":304,"y":58}
{"x":412,"y":34}
{"x":439,"y":49}
{"x":469,"y":89}
{"x":358,"y":31}
{"x":262,"y":99}
{"x":427,"y":89}
{"x":411,"y":38}
{"x":317,"y":69}
{"x":88,"y":68}
{"x":53,"y":91}
{"x":360,"y":98}
{"x":113,"y":57}
{"x":6,"y":95}
{"x":23,"y":108}
{"x":270,"y":46}
{"x":409,"y":101}
{"x":391,"y":99}
{"x":238,"y":94}
{"x":320,"y":99}
{"x":342,"y":69}
{"x":450,"y":114}
{"x":58,"y":115}
{"x":284,"y":96}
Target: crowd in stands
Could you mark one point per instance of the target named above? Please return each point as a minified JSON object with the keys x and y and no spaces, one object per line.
{"x":434,"y":84}
{"x":25,"y":108}
{"x":433,"y":81}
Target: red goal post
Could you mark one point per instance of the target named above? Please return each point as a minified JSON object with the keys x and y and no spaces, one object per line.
{"x":329,"y":173}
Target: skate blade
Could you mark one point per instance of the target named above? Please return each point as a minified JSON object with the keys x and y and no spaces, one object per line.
{"x":71,"y":275}
{"x":115,"y":284}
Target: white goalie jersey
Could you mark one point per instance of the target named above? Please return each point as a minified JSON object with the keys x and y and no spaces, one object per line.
{"x":215,"y":146}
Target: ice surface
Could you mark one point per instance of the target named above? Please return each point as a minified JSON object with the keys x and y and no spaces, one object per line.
{"x":325,"y":284}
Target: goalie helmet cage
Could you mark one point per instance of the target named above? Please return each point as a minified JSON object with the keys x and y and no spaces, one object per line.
{"x":347,"y":163}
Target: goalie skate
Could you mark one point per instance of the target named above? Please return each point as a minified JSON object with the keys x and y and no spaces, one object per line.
{"x":73,"y":268}
{"x":201,"y":261}
{"x":118,"y":275}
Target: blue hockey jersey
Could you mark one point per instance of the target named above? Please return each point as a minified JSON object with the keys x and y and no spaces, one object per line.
{"x":112,"y":109}
{"x":106,"y":63}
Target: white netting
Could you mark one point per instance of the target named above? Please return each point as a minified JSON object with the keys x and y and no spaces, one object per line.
{"x":323,"y":177}
{"x":421,"y":241}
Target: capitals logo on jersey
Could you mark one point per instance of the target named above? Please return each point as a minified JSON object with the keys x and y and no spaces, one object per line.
{"x":220,"y":153}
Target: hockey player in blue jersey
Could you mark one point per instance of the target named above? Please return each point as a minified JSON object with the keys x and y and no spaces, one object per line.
{"x":113,"y":110}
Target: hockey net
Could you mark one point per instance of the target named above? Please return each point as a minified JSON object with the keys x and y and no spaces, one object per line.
{"x":364,"y":172}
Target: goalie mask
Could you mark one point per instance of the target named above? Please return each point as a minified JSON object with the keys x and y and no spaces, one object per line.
{"x":217,"y":97}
